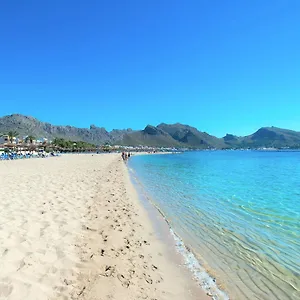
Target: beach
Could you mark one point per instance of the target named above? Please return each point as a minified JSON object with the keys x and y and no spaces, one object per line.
{"x":73,"y":227}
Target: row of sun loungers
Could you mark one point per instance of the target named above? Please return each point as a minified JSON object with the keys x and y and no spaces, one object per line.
{"x":20,"y":155}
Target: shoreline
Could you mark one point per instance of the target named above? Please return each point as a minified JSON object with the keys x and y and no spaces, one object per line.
{"x":74,"y":228}
{"x":180,"y":252}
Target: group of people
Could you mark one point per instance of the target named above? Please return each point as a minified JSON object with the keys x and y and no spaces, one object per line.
{"x":125,"y":155}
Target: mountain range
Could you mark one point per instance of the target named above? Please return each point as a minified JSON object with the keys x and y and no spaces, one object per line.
{"x":163,"y":135}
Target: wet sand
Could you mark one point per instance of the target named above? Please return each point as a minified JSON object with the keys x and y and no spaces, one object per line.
{"x":73,"y":227}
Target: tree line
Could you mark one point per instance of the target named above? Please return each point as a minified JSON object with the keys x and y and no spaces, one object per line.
{"x":59,"y":142}
{"x":74,"y":145}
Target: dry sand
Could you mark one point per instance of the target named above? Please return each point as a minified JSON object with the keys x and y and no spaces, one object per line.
{"x":72,"y":227}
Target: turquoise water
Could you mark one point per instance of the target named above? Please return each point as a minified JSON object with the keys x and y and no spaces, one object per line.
{"x":239,"y":212}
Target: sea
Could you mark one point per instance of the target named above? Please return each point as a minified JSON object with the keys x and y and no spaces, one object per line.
{"x":234,"y":216}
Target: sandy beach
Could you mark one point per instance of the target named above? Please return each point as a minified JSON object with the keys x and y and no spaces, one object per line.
{"x":73,"y":227}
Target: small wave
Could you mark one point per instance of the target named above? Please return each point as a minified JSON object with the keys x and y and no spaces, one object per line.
{"x":207,"y":283}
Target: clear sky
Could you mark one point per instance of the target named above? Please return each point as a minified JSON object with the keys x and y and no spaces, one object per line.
{"x":222,"y":66}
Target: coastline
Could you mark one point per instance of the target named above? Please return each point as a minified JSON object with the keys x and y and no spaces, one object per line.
{"x":74,"y":228}
{"x":179,"y":252}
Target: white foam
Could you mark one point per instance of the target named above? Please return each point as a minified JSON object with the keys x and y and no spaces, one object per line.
{"x":206,"y":282}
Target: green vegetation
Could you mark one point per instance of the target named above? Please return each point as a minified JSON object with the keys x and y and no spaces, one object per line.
{"x":150,"y":136}
{"x":72,"y":145}
{"x":266,"y":137}
{"x":106,"y":147}
{"x":163,"y":135}
{"x":12,"y":134}
{"x":191,"y":137}
{"x":30,"y":139}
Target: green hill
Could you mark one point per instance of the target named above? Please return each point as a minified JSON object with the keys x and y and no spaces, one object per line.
{"x":272,"y":137}
{"x":163,"y":135}
{"x":150,"y":136}
{"x":191,"y":137}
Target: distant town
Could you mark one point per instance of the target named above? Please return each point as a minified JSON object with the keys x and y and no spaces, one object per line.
{"x":12,"y":142}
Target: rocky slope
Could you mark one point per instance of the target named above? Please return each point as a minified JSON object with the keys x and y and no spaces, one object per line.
{"x":191,"y":137}
{"x":150,"y":136}
{"x":25,"y":125}
{"x":167,"y":135}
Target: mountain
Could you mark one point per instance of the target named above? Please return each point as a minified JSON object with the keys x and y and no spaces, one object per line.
{"x":232,"y":140}
{"x":191,"y":137}
{"x":163,"y":135}
{"x":150,"y":136}
{"x":272,"y":137}
{"x":25,"y":125}
{"x":265,"y":137}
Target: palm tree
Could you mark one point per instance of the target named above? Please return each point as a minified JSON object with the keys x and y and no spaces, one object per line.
{"x":29,"y":138}
{"x":12,"y":134}
{"x":2,"y":135}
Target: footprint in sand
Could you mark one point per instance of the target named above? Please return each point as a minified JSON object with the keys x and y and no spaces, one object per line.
{"x":154,"y":268}
{"x":4,"y":252}
{"x":159,"y":280}
{"x":109,"y":271}
{"x":21,"y":265}
{"x":148,"y":278}
{"x":122,"y":251}
{"x":5,"y":289}
{"x":131,"y":273}
{"x":125,"y":282}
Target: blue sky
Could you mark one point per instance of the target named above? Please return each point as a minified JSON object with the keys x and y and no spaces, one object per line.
{"x":221,"y":66}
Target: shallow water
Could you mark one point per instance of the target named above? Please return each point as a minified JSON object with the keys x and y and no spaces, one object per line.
{"x":239,"y":211}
